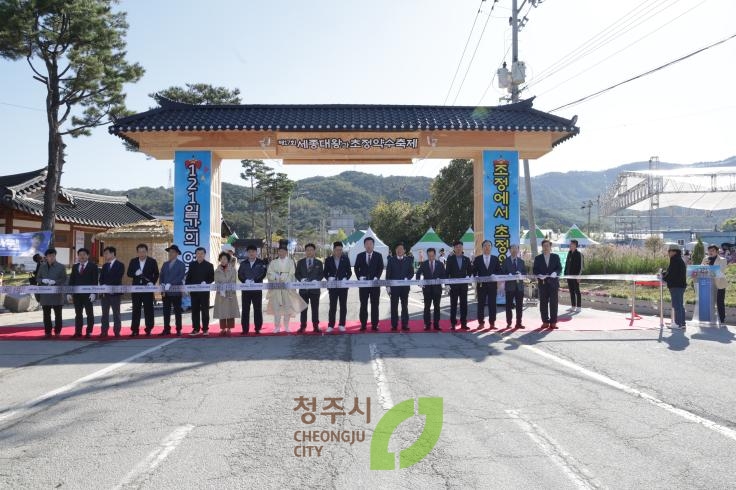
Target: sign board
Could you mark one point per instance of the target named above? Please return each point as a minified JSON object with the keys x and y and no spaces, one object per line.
{"x":192,"y":179}
{"x":501,"y":200}
{"x":385,"y":145}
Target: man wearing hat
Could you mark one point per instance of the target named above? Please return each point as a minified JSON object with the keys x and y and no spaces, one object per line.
{"x":399,"y":267}
{"x":252,"y":271}
{"x":51,"y":273}
{"x":676,"y":278}
{"x":172,"y":273}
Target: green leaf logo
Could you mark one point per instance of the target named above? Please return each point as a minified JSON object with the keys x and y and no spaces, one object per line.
{"x":381,"y":458}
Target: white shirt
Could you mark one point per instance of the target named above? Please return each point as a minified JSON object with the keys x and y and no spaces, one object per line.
{"x":142,"y":263}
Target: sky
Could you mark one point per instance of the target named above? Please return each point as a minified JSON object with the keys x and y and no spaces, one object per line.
{"x":407,"y":52}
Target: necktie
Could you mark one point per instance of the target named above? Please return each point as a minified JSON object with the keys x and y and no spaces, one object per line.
{"x":369,"y":258}
{"x":487,"y":259}
{"x":309,"y":263}
{"x":81,"y":268}
{"x":431,"y":268}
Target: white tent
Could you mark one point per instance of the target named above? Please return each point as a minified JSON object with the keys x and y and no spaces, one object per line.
{"x":575,"y":233}
{"x":468,"y":240}
{"x":358,"y":247}
{"x":429,"y":240}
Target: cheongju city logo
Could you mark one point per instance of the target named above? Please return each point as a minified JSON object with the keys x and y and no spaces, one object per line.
{"x":310,"y":443}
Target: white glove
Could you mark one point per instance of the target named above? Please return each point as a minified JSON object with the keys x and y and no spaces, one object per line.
{"x":331,"y":278}
{"x":138,"y":272}
{"x":518,"y":273}
{"x":150,"y":284}
{"x":304,"y":279}
{"x":249,"y":281}
{"x":48,"y":282}
{"x":554,"y":274}
{"x":361,"y":278}
{"x":223,"y":293}
{"x":69,"y":298}
{"x":92,"y":297}
{"x":203,"y":282}
{"x":167,"y":286}
{"x":375,"y":278}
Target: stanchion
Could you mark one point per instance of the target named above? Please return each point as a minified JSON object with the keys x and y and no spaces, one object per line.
{"x":661,"y":303}
{"x":634,"y":316}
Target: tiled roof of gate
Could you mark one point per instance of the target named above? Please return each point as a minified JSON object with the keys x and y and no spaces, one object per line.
{"x":179,"y":116}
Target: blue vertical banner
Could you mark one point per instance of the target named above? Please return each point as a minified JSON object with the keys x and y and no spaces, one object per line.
{"x":192,"y":179}
{"x":501,"y":199}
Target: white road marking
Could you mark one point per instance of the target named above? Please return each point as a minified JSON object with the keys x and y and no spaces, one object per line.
{"x":569,"y":466}
{"x":725,"y":431}
{"x":384,"y":394}
{"x":36,"y":404}
{"x":137,"y":475}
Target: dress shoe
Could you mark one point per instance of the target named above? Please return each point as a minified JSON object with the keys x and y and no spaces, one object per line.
{"x":545,"y":325}
{"x":393,"y":329}
{"x":405,"y":328}
{"x":362,"y":328}
{"x":148,"y":332}
{"x":47,"y":336}
{"x":437,"y":327}
{"x":117,"y":334}
{"x":56,"y":334}
{"x":520,"y":326}
{"x":492,"y":326}
{"x":315,"y":329}
{"x":465,"y":327}
{"x":243,"y":333}
{"x":553,"y":326}
{"x":258,"y":330}
{"x":103,"y":335}
{"x":77,"y":335}
{"x":375,"y":328}
{"x":134,"y":334}
{"x":481,"y":325}
{"x":427,"y":327}
{"x":301,"y":329}
{"x":452,"y":327}
{"x":508,"y":325}
{"x":194,"y":333}
{"x":165,"y":333}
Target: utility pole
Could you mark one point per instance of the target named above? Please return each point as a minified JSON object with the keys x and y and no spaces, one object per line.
{"x":589,"y":205}
{"x":515,"y":98}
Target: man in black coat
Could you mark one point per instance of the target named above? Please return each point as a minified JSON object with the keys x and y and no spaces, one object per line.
{"x":200,"y":272}
{"x":144,"y":272}
{"x":309,"y":269}
{"x":84,"y":273}
{"x":514,"y":265}
{"x":676,"y":278}
{"x":548,"y":266}
{"x":337,"y":268}
{"x":111,"y":274}
{"x":486,"y":265}
{"x":399,"y":267}
{"x":369,"y":266}
{"x":458,"y":266}
{"x":574,"y":267}
{"x":431,"y":269}
{"x":252,"y":271}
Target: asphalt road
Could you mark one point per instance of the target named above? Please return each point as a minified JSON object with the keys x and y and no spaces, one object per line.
{"x":523,"y":409}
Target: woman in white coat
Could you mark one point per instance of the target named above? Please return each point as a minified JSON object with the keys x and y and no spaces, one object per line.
{"x":283,"y":303}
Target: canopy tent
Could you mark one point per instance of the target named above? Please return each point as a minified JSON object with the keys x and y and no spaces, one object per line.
{"x":353,"y":237}
{"x":358,"y":247}
{"x":430,"y":240}
{"x":526,"y":236}
{"x":575,"y":233}
{"x":468,"y":240}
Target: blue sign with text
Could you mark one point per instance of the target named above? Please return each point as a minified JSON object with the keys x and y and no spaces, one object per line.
{"x":501,"y":200}
{"x":192,"y":177}
{"x":24,"y":244}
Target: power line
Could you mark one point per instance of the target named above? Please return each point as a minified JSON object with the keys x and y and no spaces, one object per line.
{"x":624,"y":48}
{"x":22,"y":107}
{"x":603,"y":38}
{"x":641,"y":75}
{"x":459,"y":62}
{"x":470,"y":63}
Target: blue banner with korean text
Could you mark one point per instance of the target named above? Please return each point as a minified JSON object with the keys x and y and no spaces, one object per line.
{"x":24,"y":244}
{"x":192,"y":175}
{"x":501,"y":200}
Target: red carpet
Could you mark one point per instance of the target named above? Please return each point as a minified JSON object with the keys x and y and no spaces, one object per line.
{"x":586,"y":321}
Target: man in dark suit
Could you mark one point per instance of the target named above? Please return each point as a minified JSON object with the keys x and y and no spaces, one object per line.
{"x":173,"y":272}
{"x":200,"y":272}
{"x":369,"y":265}
{"x":84,"y":273}
{"x":111,"y":274}
{"x":252,"y":271}
{"x":337,"y":268}
{"x":514,"y":265}
{"x":486,"y":265}
{"x":431,"y":269}
{"x":399,"y":267}
{"x":309,"y":269}
{"x":547,"y":267}
{"x":458,"y":266}
{"x":574,"y":267}
{"x":144,"y":272}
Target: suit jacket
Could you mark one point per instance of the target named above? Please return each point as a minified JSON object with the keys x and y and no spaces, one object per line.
{"x":400,"y":268}
{"x":540,"y":268}
{"x":112,"y":276}
{"x":173,"y":274}
{"x":255,"y":273}
{"x":57,"y":273}
{"x":341,"y":271}
{"x":200,"y":272}
{"x":90,"y":276}
{"x":425,"y":271}
{"x":314,"y":273}
{"x":480,"y":269}
{"x":508,"y":267}
{"x":574,"y":263}
{"x":722,"y":263}
{"x":149,"y":272}
{"x":369,"y":271}
{"x":453,"y":271}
